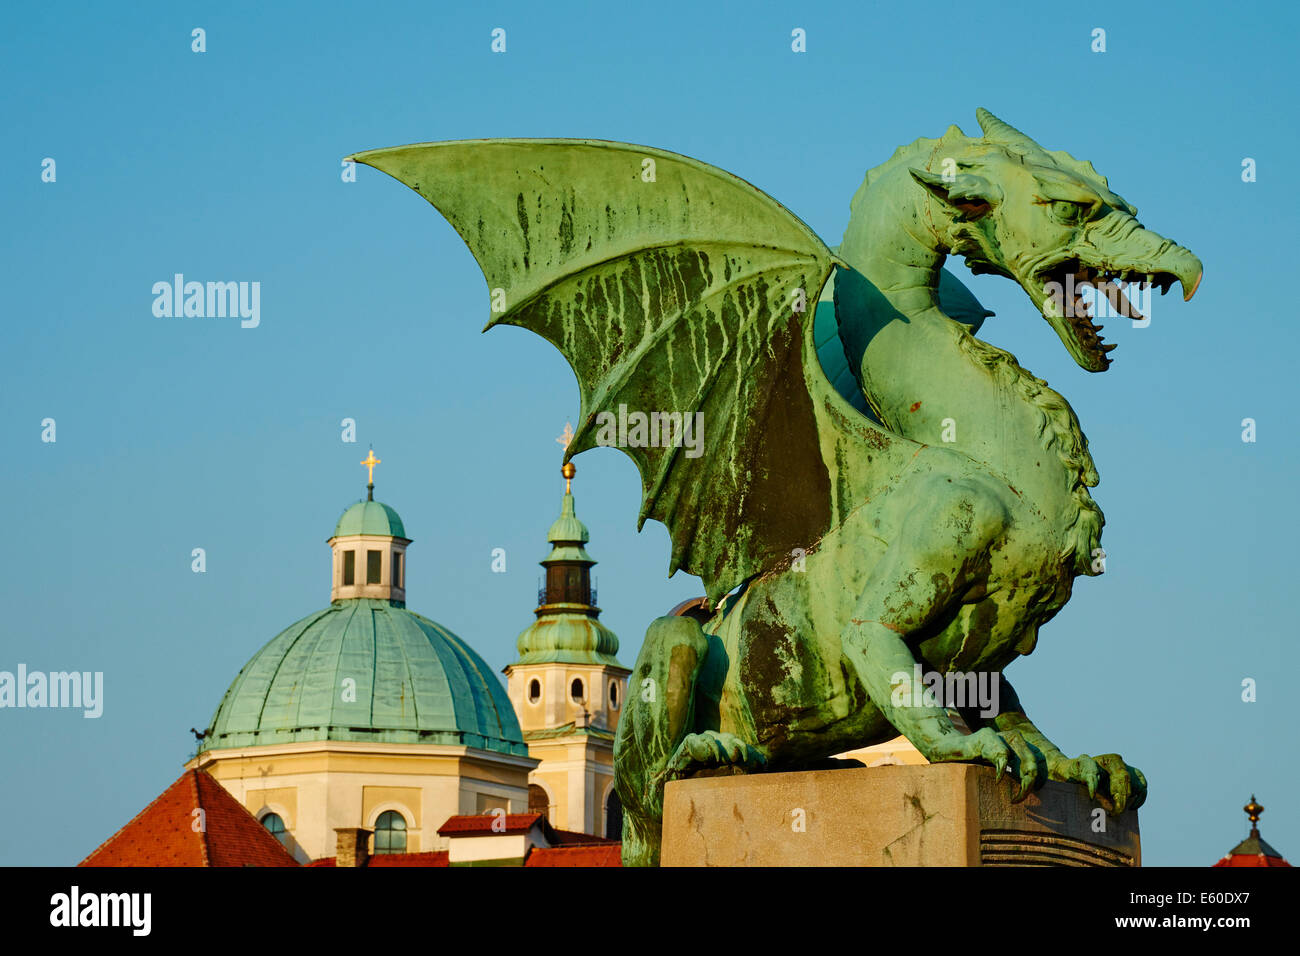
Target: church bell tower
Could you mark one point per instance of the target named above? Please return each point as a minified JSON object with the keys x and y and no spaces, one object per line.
{"x":567,"y":687}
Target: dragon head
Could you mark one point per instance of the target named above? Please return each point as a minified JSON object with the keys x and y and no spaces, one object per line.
{"x":1051,"y":223}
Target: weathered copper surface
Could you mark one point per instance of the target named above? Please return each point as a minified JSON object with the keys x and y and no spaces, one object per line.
{"x":841,"y":549}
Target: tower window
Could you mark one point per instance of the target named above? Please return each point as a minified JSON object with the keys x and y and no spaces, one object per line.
{"x":274,"y":824}
{"x":397,"y":569}
{"x":374,"y":562}
{"x":349,"y":568}
{"x":534,"y":691}
{"x":613,"y":695}
{"x":576,"y":690}
{"x":390,"y":832}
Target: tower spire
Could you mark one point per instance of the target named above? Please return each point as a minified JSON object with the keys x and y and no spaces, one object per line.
{"x":567,"y":685}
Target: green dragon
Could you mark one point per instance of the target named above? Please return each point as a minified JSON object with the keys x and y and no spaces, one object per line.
{"x":932,"y":510}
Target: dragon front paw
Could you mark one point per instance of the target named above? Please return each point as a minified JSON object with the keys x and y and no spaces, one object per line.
{"x":1108,"y":774}
{"x":712,"y":748}
{"x":1007,"y":751}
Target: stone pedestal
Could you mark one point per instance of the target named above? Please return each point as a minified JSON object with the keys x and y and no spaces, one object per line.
{"x":930,"y":815}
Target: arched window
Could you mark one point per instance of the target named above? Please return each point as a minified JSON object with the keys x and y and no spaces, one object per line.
{"x":575,"y":690}
{"x":275,"y":826}
{"x":390,"y":833}
{"x":534,"y":691}
{"x":537,"y":801}
{"x":613,"y":816}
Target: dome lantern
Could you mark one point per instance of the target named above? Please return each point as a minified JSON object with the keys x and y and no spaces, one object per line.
{"x":369,"y":549}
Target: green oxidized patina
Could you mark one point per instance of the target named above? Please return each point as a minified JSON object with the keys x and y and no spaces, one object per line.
{"x":370,"y":517}
{"x":414,"y":682}
{"x":839,"y":548}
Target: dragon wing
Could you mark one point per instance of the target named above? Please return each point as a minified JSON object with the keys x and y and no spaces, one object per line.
{"x":671,"y":287}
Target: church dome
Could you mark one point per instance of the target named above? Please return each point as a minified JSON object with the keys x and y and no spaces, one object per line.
{"x":366,"y":670}
{"x":370,"y":517}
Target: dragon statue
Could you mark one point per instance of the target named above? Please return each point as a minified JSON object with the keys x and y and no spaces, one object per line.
{"x":840,"y":539}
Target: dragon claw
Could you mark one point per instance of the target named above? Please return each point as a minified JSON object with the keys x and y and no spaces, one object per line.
{"x":712,"y":749}
{"x":1107,"y":775}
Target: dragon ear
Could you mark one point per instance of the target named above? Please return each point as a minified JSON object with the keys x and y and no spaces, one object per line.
{"x":971,"y":196}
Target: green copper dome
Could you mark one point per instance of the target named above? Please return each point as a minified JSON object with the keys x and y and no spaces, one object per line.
{"x":572,"y":637}
{"x":367,"y":670}
{"x":370,"y":517}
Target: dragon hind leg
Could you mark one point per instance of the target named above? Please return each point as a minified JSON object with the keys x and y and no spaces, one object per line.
{"x":659,"y":715}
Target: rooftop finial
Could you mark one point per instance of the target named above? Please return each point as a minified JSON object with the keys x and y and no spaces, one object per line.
{"x":569,"y":470}
{"x":370,"y":463}
{"x":1253,"y":810}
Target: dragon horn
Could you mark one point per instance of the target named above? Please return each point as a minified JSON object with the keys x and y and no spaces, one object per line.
{"x":1001,"y":132}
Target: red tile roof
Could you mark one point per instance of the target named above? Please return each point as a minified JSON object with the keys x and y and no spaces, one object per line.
{"x":1254,"y":859}
{"x":164,"y":833}
{"x":482,"y":824}
{"x":582,"y":854}
{"x":1254,"y":850}
{"x":436,"y":858}
{"x":567,"y":837}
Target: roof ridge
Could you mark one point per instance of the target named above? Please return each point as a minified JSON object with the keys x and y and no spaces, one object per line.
{"x":409,"y":678}
{"x":221,"y":801}
{"x":166,"y":790}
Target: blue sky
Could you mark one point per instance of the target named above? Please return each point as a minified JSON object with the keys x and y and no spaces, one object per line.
{"x":174,"y":434}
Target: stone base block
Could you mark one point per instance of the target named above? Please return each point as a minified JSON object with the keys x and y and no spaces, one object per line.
{"x":929,"y":815}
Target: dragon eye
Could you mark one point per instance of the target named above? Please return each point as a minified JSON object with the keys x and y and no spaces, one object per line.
{"x":1069,"y":213}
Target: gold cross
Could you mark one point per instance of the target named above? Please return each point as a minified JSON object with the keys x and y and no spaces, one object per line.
{"x":370,"y":463}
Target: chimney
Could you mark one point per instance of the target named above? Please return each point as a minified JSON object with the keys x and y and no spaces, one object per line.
{"x":353,"y":848}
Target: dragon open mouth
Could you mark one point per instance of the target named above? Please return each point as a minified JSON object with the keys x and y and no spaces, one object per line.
{"x":1060,"y":294}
